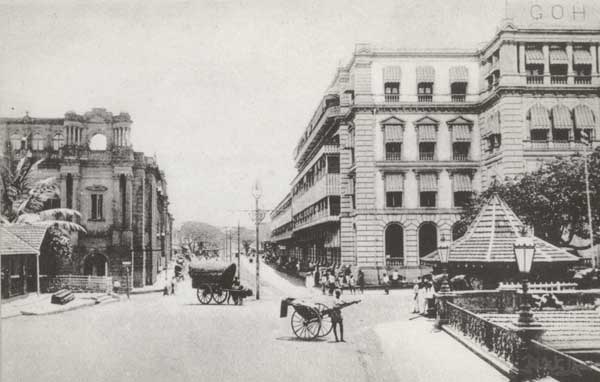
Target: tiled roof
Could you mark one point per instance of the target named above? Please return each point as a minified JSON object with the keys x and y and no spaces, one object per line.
{"x":21,"y":239}
{"x":564,"y":329}
{"x":490,"y":239}
{"x":10,"y":244}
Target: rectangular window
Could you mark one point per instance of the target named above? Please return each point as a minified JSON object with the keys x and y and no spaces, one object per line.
{"x":460,"y":151}
{"x":461,"y":198}
{"x":333,"y":165}
{"x":426,"y":150}
{"x":428,"y":198}
{"x":393,"y":151}
{"x":392,"y":91}
{"x":425,"y":92}
{"x":393,"y":199}
{"x":97,"y":209}
{"x":560,"y":135}
{"x":334,"y":205}
{"x":539,"y":135}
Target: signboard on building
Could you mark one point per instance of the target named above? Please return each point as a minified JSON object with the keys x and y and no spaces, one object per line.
{"x":554,"y":14}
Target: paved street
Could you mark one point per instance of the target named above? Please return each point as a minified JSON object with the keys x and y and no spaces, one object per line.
{"x":158,"y":338}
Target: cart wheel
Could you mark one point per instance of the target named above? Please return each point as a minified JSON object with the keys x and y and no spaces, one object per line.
{"x":219,"y":295}
{"x":306,"y":329}
{"x":204,"y":294}
{"x":326,"y":324}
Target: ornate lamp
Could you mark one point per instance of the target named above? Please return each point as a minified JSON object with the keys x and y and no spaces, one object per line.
{"x":524,"y":249}
{"x":444,"y":253}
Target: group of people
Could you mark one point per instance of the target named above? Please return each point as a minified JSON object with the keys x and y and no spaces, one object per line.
{"x":331,"y":281}
{"x":422,"y":296}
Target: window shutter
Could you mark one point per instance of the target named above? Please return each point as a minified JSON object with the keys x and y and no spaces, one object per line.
{"x":461,"y":133}
{"x":427,"y":133}
{"x":393,"y":133}
{"x":394,"y":182}
{"x":427,"y":182}
{"x":462,"y":182}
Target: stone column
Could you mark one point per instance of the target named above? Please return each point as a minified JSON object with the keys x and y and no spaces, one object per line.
{"x":410,"y":146}
{"x":522,"y":58}
{"x":546,"y":52}
{"x":445,"y":189}
{"x":129,"y":202}
{"x":411,"y":189}
{"x":380,"y":190}
{"x":444,"y":151}
{"x":570,"y":79}
{"x":475,"y":148}
{"x":116,"y":202}
{"x":594,"y":52}
{"x":477,"y":186}
{"x":379,"y":145}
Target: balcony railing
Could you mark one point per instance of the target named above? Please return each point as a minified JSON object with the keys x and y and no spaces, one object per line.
{"x":460,"y":157}
{"x":393,"y":155}
{"x":558,"y":79}
{"x":392,"y":98}
{"x":553,"y":145}
{"x":394,"y":261}
{"x":535,"y":80}
{"x":458,"y":97}
{"x":426,"y":155}
{"x":583,"y":80}
{"x":425,"y":98}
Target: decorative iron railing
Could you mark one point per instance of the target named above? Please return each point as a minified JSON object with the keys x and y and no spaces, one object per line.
{"x":545,"y":361}
{"x":501,"y":341}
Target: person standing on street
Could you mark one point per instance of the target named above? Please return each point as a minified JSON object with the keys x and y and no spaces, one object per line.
{"x":386,"y":283}
{"x":361,"y":281}
{"x":351,"y":283}
{"x":416,"y":296}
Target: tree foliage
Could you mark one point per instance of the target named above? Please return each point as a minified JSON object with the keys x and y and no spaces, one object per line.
{"x":551,"y":199}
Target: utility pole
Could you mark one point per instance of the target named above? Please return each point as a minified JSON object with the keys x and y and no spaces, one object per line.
{"x":587,"y":193}
{"x":258,"y":217}
{"x":230,"y":247}
{"x":238,"y":250}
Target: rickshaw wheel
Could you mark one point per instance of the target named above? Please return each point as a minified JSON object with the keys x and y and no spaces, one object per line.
{"x":326,"y":324}
{"x":219,"y":295}
{"x":204,"y":294}
{"x":306,"y":329}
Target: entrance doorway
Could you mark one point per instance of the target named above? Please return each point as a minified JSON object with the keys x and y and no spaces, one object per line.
{"x":427,"y":239}
{"x":95,"y":265}
{"x":394,"y":244}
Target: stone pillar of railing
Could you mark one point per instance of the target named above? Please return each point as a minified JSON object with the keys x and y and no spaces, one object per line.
{"x":523,"y":369}
{"x":441,"y":307}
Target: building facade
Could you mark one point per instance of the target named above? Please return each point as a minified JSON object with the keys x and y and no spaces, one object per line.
{"x":402,"y":139}
{"x":120,"y":193}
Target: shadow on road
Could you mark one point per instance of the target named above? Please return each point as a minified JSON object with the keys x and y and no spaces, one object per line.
{"x":296,"y":339}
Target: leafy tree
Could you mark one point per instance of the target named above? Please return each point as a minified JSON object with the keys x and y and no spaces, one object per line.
{"x":551,"y":199}
{"x":23,"y":202}
{"x":246,"y":245}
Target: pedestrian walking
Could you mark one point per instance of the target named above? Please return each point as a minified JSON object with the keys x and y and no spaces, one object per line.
{"x":323,"y":282}
{"x":361,"y":281}
{"x":422,"y":296}
{"x":416,"y":296}
{"x":386,"y":283}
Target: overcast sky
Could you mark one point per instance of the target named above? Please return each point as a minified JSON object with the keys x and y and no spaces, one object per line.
{"x":219,"y":90}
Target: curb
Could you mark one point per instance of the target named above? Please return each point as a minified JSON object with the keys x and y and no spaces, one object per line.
{"x":161,"y":290}
{"x":30,"y":313}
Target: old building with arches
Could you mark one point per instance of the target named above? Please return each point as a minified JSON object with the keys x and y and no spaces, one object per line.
{"x":402,"y":138}
{"x":120,"y":193}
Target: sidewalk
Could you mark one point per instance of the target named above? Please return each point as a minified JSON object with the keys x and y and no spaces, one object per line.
{"x":159,"y":285}
{"x":417,"y":352}
{"x":36,"y":305}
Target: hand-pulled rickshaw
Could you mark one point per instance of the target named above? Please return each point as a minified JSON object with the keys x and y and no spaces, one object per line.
{"x":215,"y":281}
{"x":311,"y":319}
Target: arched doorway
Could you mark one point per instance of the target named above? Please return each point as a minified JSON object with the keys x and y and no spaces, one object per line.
{"x":394,"y":242}
{"x":427,"y":239}
{"x":95,"y":265}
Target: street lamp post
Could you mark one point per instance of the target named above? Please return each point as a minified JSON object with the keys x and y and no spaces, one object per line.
{"x":524,"y":250}
{"x":258,"y":217}
{"x":444,"y":253}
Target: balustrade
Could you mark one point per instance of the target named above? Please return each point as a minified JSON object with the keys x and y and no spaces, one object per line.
{"x":458,"y":97}
{"x":425,"y":98}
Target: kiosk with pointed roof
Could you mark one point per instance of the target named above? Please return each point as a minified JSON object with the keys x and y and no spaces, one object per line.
{"x":485,"y":252}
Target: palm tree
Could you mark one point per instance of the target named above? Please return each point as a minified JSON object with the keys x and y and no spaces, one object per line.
{"x":24,"y":198}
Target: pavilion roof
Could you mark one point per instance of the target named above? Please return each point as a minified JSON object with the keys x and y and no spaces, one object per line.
{"x":490,"y":238}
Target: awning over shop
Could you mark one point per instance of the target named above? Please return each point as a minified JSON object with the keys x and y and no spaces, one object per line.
{"x":459,"y":74}
{"x":425,"y":74}
{"x":427,"y":133}
{"x":462,"y":182}
{"x":582,"y":57}
{"x":538,"y":118}
{"x":392,"y":74}
{"x":393,"y":133}
{"x":584,"y":117}
{"x":534,"y":57}
{"x":427,"y":182}
{"x":461,"y":133}
{"x":394,"y":182}
{"x":561,"y":118}
{"x":558,"y":57}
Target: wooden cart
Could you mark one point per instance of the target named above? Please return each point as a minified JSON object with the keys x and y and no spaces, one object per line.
{"x":213,"y":281}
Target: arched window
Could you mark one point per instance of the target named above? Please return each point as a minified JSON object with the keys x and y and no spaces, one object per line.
{"x":37,"y":143}
{"x":15,"y":141}
{"x":58,"y":141}
{"x":394,"y":244}
{"x":427,"y":239}
{"x":98,"y":142}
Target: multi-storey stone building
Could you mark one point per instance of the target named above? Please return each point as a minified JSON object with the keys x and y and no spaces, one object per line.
{"x":402,"y":138}
{"x":120,"y":193}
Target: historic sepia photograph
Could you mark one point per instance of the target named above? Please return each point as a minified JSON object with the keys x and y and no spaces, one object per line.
{"x":300,"y":190}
